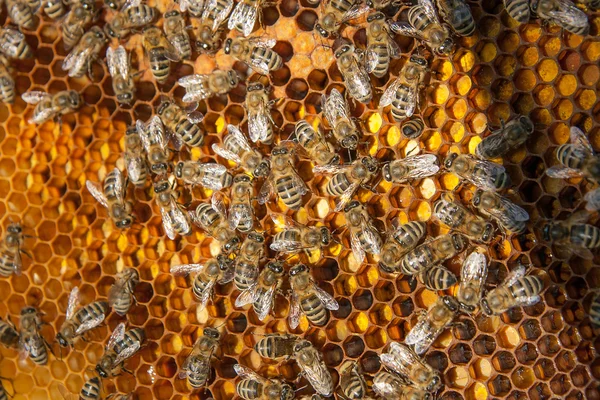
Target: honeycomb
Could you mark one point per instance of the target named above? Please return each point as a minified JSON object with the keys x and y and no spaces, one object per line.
{"x":544,"y":351}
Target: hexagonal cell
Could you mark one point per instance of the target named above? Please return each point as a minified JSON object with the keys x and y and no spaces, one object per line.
{"x":499,"y":386}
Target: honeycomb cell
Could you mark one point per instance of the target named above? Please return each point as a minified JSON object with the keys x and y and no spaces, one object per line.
{"x":499,"y":386}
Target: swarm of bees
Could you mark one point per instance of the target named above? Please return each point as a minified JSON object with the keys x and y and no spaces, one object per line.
{"x":242,"y":179}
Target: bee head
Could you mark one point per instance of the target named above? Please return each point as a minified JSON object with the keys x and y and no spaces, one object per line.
{"x":527,"y":124}
{"x":233,"y":78}
{"x":124,"y":98}
{"x":450,"y":160}
{"x":241,"y":178}
{"x":477,"y":198}
{"x":113,"y":4}
{"x":179,"y":169}
{"x":298,"y":269}
{"x":386,"y":268}
{"x":451,"y":303}
{"x":435,"y":384}
{"x":386,"y":171}
{"x":110,"y":31}
{"x":287,"y":392}
{"x":172,"y":13}
{"x":257,"y":237}
{"x":370,"y":163}
{"x":227,"y":47}
{"x":263,"y":169}
{"x":161,"y":186}
{"x":458,"y":241}
{"x":74,"y":99}
{"x":101,"y":371}
{"x":14,"y":228}
{"x":124,"y":223}
{"x":375,"y":16}
{"x":232,"y":245}
{"x":487,"y":233}
{"x":301,"y":344}
{"x":446,"y":47}
{"x":203,"y":45}
{"x":344,"y":49}
{"x":276,"y":267}
{"x":485,"y":307}
{"x":28,"y":310}
{"x":325,"y":236}
{"x":350,"y":142}
{"x":254,"y":86}
{"x":334,"y":160}
{"x":211,"y":333}
{"x":418,"y":60}
{"x":352,"y":205}
{"x":62,"y":341}
{"x":547,"y":232}
{"x":322,"y":31}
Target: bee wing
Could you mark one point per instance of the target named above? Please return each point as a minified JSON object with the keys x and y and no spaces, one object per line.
{"x":317,"y":374}
{"x":115,"y":292}
{"x":116,"y":336}
{"x":118,"y":62}
{"x":387,"y":388}
{"x":513,"y":211}
{"x":265,"y":43}
{"x":411,"y":99}
{"x":266,"y":191}
{"x":372,"y":238}
{"x":72,"y":303}
{"x":346,"y":196}
{"x":286,"y":246}
{"x":485,"y":180}
{"x":239,"y":137}
{"x":560,"y":172}
{"x":328,"y":301}
{"x":131,"y":3}
{"x":205,"y":295}
{"x":76,"y":60}
{"x":334,"y":106}
{"x":92,"y":323}
{"x":421,"y":166}
{"x":371,"y":60}
{"x":258,"y":126}
{"x":593,"y":200}
{"x":186,"y":269}
{"x":134,"y":165}
{"x":294,"y":316}
{"x":168,"y":223}
{"x":285,"y":222}
{"x":355,"y":12}
{"x":178,"y":217}
{"x":429,"y":9}
{"x":492,"y":141}
{"x":299,"y":183}
{"x":390,"y":93}
{"x":226,"y":153}
{"x":119,"y":185}
{"x":156,"y":132}
{"x":357,"y":249}
{"x":34,"y":97}
{"x":211,"y":178}
{"x":529,"y":300}
{"x":127,"y":352}
{"x":569,"y":15}
{"x":260,"y":65}
{"x":579,"y":139}
{"x":264,"y":304}
{"x":514,"y":275}
{"x":400,"y":359}
{"x":331,"y":169}
{"x":217,"y":201}
{"x":226,"y":276}
{"x":393,"y":48}
{"x":422,"y":335}
{"x":474,"y":268}
{"x":247,"y":296}
{"x":246,"y":373}
{"x":192,"y":80}
{"x":220,"y":17}
{"x":359,"y":82}
{"x":405,"y":29}
{"x":96,"y":191}
{"x":235,"y":216}
{"x":243,"y":15}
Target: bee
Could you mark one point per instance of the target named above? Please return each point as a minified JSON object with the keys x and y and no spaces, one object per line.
{"x":312,"y":141}
{"x":193,"y":7}
{"x":577,"y":159}
{"x":80,"y":59}
{"x":89,"y":391}
{"x":246,"y":262}
{"x":390,"y":386}
{"x":381,"y":47}
{"x":357,"y":81}
{"x":257,"y":104}
{"x":429,"y":326}
{"x":31,"y":341}
{"x":152,"y":135}
{"x":212,"y":176}
{"x":13,"y":44}
{"x":276,"y":345}
{"x":49,"y":106}
{"x":437,"y":278}
{"x":485,"y":175}
{"x":262,"y":292}
{"x":255,"y":52}
{"x":402,"y":360}
{"x":202,"y":86}
{"x":216,"y":270}
{"x":255,"y":387}
{"x":54,"y":8}
{"x":9,"y":336}
{"x":313,"y":368}
{"x":175,"y":219}
{"x":135,"y":161}
{"x":241,"y":212}
{"x":507,"y":138}
{"x":411,"y":167}
{"x":237,"y":149}
{"x":185,"y":126}
{"x":403,"y":93}
{"x":160,"y":53}
{"x":516,"y":290}
{"x":352,"y":382}
{"x":196,"y":367}
{"x":11,"y":249}
{"x":573,"y":235}
{"x":562,"y":13}
{"x":348,"y":178}
{"x":462,"y":220}
{"x":7,"y":83}
{"x":80,"y":321}
{"x":120,"y":294}
{"x":308,"y":298}
{"x":243,"y":17}
{"x":212,"y":218}
{"x":112,"y":196}
{"x":472,"y":277}
{"x":400,"y":242}
{"x":295,"y":237}
{"x":77,"y":21}
{"x":120,"y":72}
{"x":508,"y":215}
{"x":458,"y":15}
{"x":22,"y":13}
{"x":364,"y":237}
{"x":133,"y":15}
{"x":336,"y":111}
{"x":412,"y":128}
{"x":432,"y":252}
{"x":283,"y":179}
{"x":519,"y":10}
{"x":594,"y":311}
{"x":337,"y":13}
{"x":208,"y":33}
{"x":176,"y":32}
{"x":121,"y":345}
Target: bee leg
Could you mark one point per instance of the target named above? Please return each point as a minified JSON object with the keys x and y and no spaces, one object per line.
{"x":126,"y":370}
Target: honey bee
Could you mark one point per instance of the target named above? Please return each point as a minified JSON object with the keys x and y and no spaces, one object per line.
{"x":458,"y":15}
{"x":403,"y":93}
{"x":437,"y":278}
{"x":14,"y":45}
{"x":276,"y":345}
{"x":572,"y":235}
{"x":400,"y":242}
{"x":160,"y":53}
{"x":390,"y":386}
{"x":7,"y":83}
{"x":255,"y":52}
{"x":152,"y":135}
{"x":135,"y":161}
{"x":485,"y":175}
{"x":196,"y":367}
{"x":364,"y":237}
{"x":412,"y":128}
{"x":516,"y":290}
{"x":216,"y":270}
{"x":174,"y":218}
{"x":348,"y":178}
{"x":176,"y":32}
{"x":424,"y":24}
{"x":246,"y":262}
{"x":208,"y":33}
{"x":472,"y":277}
{"x":562,"y":13}
{"x":192,"y":7}
{"x":507,"y":138}
{"x":243,"y":17}
{"x":80,"y":59}
{"x":22,"y":13}
{"x":184,"y":126}
{"x":336,"y":111}
{"x":212,"y":176}
{"x":54,"y":8}
{"x":402,"y":360}
{"x":508,"y":215}
{"x":312,"y":366}
{"x":283,"y":179}
{"x":120,"y":294}
{"x":308,"y":298}
{"x":11,"y":249}
{"x":429,"y":326}
{"x":257,"y":104}
{"x":381,"y":47}
{"x":212,"y":218}
{"x":462,"y":220}
{"x":76,"y":22}
{"x":432,"y":252}
{"x":9,"y":336}
{"x":120,"y":72}
{"x":90,"y":389}
{"x":411,"y":167}
{"x":357,"y":80}
{"x":295,"y":237}
{"x":594,"y":311}
{"x":312,"y":141}
{"x":121,"y":346}
{"x":519,"y":10}
{"x":202,"y":86}
{"x":255,"y":387}
{"x":352,"y":382}
{"x":49,"y":106}
{"x":241,"y":212}
{"x":337,"y":13}
{"x":112,"y":196}
{"x":262,"y":292}
{"x":237,"y":149}
{"x":133,"y":15}
{"x":577,"y":159}
{"x":31,"y":341}
{"x":80,"y":321}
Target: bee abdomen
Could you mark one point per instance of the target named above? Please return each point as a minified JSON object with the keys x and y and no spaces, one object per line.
{"x":159,"y":64}
{"x":400,"y":104}
{"x":138,"y":15}
{"x":21,"y":15}
{"x":90,"y":390}
{"x":249,"y":389}
{"x":383,"y":59}
{"x":518,"y":10}
{"x":8,"y":336}
{"x":305,"y":134}
{"x":338,"y":185}
{"x":267,"y":55}
{"x":206,"y":215}
{"x":245,"y":224}
{"x":417,"y":18}
{"x":288,"y":192}
{"x":585,"y":235}
{"x":595,"y":311}
{"x":91,"y":311}
{"x":245,"y":275}
{"x":289,"y":234}
{"x":410,"y":233}
{"x":314,"y":310}
{"x":438,"y":278}
{"x":566,"y":156}
{"x":54,"y":9}
{"x":527,"y":286}
{"x":189,"y":132}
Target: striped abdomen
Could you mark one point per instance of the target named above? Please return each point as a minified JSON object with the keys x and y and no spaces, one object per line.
{"x":138,"y":16}
{"x":131,"y":338}
{"x":159,"y":64}
{"x":403,"y":103}
{"x":272,"y":59}
{"x":90,"y":312}
{"x":418,"y":19}
{"x":20,"y":14}
{"x":189,"y":132}
{"x":569,"y":156}
{"x":417,"y":260}
{"x":90,"y":389}
{"x":338,"y":184}
{"x":314,"y":310}
{"x":245,"y":275}
{"x":249,"y":389}
{"x":526,"y":286}
{"x":9,"y":337}
{"x":206,"y":215}
{"x":383,"y":59}
{"x":54,"y":8}
{"x":585,"y":235}
{"x":288,"y":191}
{"x":518,"y":9}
